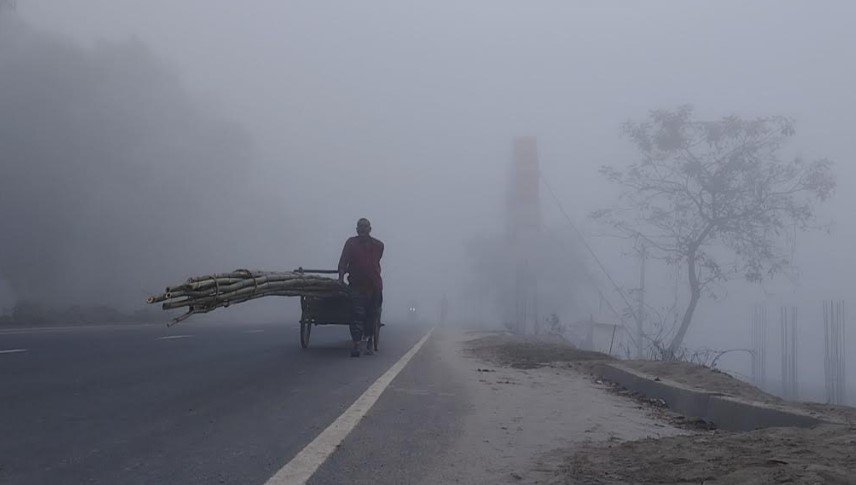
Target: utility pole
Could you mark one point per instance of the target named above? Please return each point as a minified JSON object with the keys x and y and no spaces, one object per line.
{"x":640,"y":309}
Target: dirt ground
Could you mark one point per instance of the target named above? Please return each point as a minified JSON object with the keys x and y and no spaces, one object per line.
{"x":822,"y":455}
{"x":519,"y":353}
{"x":514,"y":351}
{"x":525,"y":416}
{"x":825,"y":454}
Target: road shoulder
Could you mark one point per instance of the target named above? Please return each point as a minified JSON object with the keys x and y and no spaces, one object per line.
{"x":816,"y":450}
{"x":453,"y":417}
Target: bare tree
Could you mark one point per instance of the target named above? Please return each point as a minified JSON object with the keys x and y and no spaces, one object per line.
{"x":716,"y":196}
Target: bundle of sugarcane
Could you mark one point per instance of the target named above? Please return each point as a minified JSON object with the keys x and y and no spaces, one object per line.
{"x":205,"y":293}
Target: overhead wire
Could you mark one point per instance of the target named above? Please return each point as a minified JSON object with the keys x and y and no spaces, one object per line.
{"x":587,"y":274}
{"x":594,"y":256}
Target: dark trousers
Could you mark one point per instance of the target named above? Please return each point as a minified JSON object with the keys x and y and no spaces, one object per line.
{"x":367,"y":308}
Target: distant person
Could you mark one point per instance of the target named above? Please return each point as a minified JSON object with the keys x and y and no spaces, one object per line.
{"x":361,"y":262}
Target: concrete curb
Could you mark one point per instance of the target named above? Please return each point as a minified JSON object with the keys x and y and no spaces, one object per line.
{"x":726,"y":412}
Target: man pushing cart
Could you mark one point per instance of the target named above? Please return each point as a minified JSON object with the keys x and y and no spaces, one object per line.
{"x":323,"y":300}
{"x":360,"y":260}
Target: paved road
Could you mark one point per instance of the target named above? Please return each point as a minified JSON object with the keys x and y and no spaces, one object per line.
{"x":197,"y":403}
{"x":409,"y":432}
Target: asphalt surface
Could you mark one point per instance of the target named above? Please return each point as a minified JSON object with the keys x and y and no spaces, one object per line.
{"x":196,"y":403}
{"x":408,"y":432}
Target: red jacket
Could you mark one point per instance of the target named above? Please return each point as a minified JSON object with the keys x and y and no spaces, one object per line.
{"x":361,"y":261}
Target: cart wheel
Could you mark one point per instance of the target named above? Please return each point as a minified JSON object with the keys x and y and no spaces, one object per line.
{"x":305,"y":330}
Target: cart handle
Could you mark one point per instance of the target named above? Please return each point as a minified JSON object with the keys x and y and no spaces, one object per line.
{"x":319,"y":271}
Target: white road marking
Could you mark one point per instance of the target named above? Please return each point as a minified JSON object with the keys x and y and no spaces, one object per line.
{"x":306,"y":463}
{"x":168,"y":337}
{"x":12,"y":351}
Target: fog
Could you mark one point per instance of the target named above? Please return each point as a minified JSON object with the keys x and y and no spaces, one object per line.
{"x":146,"y":141}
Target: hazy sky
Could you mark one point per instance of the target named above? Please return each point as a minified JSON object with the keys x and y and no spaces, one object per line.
{"x":404,"y":112}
